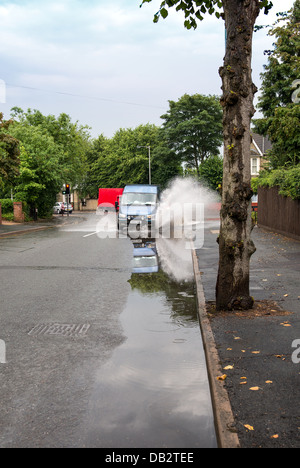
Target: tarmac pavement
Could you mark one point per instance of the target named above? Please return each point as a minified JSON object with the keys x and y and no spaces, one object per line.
{"x":257,"y":351}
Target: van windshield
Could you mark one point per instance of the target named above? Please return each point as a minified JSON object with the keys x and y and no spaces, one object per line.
{"x":140,"y":262}
{"x":135,"y":198}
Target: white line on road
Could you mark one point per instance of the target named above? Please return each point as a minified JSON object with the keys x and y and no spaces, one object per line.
{"x":92,"y":234}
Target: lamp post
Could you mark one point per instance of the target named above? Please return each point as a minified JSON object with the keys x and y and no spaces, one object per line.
{"x":149,"y":150}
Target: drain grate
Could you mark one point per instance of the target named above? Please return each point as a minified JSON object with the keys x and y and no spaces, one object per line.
{"x":60,"y":329}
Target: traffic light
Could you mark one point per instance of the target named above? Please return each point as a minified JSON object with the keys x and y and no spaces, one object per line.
{"x":67,"y":189}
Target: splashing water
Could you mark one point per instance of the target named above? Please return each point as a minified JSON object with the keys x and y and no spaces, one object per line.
{"x":182,"y":206}
{"x":180,"y":220}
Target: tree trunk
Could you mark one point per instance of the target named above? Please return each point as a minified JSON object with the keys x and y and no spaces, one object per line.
{"x":235,"y":244}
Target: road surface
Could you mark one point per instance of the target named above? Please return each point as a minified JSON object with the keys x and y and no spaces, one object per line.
{"x":71,"y":323}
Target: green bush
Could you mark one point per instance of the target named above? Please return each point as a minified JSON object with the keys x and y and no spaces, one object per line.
{"x":8,"y":217}
{"x":7,"y":206}
{"x":288,"y":181}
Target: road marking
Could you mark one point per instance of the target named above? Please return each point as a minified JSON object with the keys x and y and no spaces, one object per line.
{"x":92,"y":234}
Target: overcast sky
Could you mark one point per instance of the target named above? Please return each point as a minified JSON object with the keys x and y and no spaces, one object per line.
{"x":105,"y":63}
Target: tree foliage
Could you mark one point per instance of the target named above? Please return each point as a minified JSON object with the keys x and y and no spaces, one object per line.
{"x":9,"y":153}
{"x":124,"y":159}
{"x":195,"y":10}
{"x":211,"y":172}
{"x":40,"y":175}
{"x":283,"y":65}
{"x":50,"y":151}
{"x":287,"y":179}
{"x":284,"y":132}
{"x":191,"y":133}
{"x":281,"y":118}
{"x":192,"y":129}
{"x":72,"y":140}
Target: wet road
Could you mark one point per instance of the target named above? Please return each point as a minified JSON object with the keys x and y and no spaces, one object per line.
{"x":99,"y":352}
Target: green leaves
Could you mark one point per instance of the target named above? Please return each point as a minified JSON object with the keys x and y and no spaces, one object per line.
{"x":193,"y":128}
{"x":164,"y":13}
{"x":53,"y":151}
{"x":194,"y":10}
{"x":287,"y":179}
{"x":9,"y":152}
{"x":118,"y":161}
{"x":281,"y":119}
{"x":40,"y":175}
{"x":267,"y":5}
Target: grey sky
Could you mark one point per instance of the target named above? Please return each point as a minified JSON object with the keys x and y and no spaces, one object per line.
{"x":105,"y":63}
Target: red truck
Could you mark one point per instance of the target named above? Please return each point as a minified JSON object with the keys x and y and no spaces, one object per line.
{"x":108,"y":197}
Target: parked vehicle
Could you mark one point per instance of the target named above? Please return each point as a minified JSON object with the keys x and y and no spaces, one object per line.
{"x":61,"y":208}
{"x":138,"y":206}
{"x":109,"y":199}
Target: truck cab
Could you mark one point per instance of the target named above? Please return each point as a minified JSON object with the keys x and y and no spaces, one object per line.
{"x":138,"y":207}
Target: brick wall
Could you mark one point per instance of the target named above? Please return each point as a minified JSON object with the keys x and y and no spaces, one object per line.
{"x":18,"y":212}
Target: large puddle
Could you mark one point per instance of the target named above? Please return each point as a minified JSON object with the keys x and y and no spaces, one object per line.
{"x":154,"y":391}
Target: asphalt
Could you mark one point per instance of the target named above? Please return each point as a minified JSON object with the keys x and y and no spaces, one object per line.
{"x":12,"y":229}
{"x":257,"y":405}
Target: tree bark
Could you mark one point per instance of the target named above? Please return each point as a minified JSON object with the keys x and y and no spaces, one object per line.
{"x":235,"y":244}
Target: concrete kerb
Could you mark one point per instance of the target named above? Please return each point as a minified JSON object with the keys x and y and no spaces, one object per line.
{"x":224,"y":419}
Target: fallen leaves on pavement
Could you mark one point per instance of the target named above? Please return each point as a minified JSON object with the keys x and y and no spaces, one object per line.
{"x":222,"y":377}
{"x":260,"y":309}
{"x":250,"y":428}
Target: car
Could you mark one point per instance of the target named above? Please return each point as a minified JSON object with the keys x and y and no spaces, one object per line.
{"x":61,"y":208}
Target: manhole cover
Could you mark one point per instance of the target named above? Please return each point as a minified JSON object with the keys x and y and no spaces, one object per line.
{"x":62,"y":329}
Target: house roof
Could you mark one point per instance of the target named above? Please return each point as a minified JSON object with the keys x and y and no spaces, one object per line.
{"x":261,"y":143}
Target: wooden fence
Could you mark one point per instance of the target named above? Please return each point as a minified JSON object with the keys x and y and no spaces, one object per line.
{"x":278,"y":213}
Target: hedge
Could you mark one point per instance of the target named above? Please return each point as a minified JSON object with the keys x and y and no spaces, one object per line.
{"x":7,"y":206}
{"x":287,"y":179}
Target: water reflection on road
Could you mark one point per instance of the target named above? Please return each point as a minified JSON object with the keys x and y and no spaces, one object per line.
{"x":154,"y":390}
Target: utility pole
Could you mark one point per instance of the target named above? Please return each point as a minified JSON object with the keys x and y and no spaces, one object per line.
{"x":149,"y":152}
{"x":68,"y":195}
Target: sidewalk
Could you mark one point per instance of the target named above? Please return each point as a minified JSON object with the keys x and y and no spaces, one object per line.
{"x":263,"y":383}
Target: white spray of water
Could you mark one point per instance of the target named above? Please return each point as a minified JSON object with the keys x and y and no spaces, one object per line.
{"x":175,"y":259}
{"x":182,"y":193}
{"x":188,"y":190}
{"x":173,"y":249}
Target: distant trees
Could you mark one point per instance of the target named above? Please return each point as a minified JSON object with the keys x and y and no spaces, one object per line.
{"x":39,"y":153}
{"x":192,"y":129}
{"x":40,"y":177}
{"x":121,"y":160}
{"x":190,"y":135}
{"x":9,"y":153}
{"x":71,"y":139}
